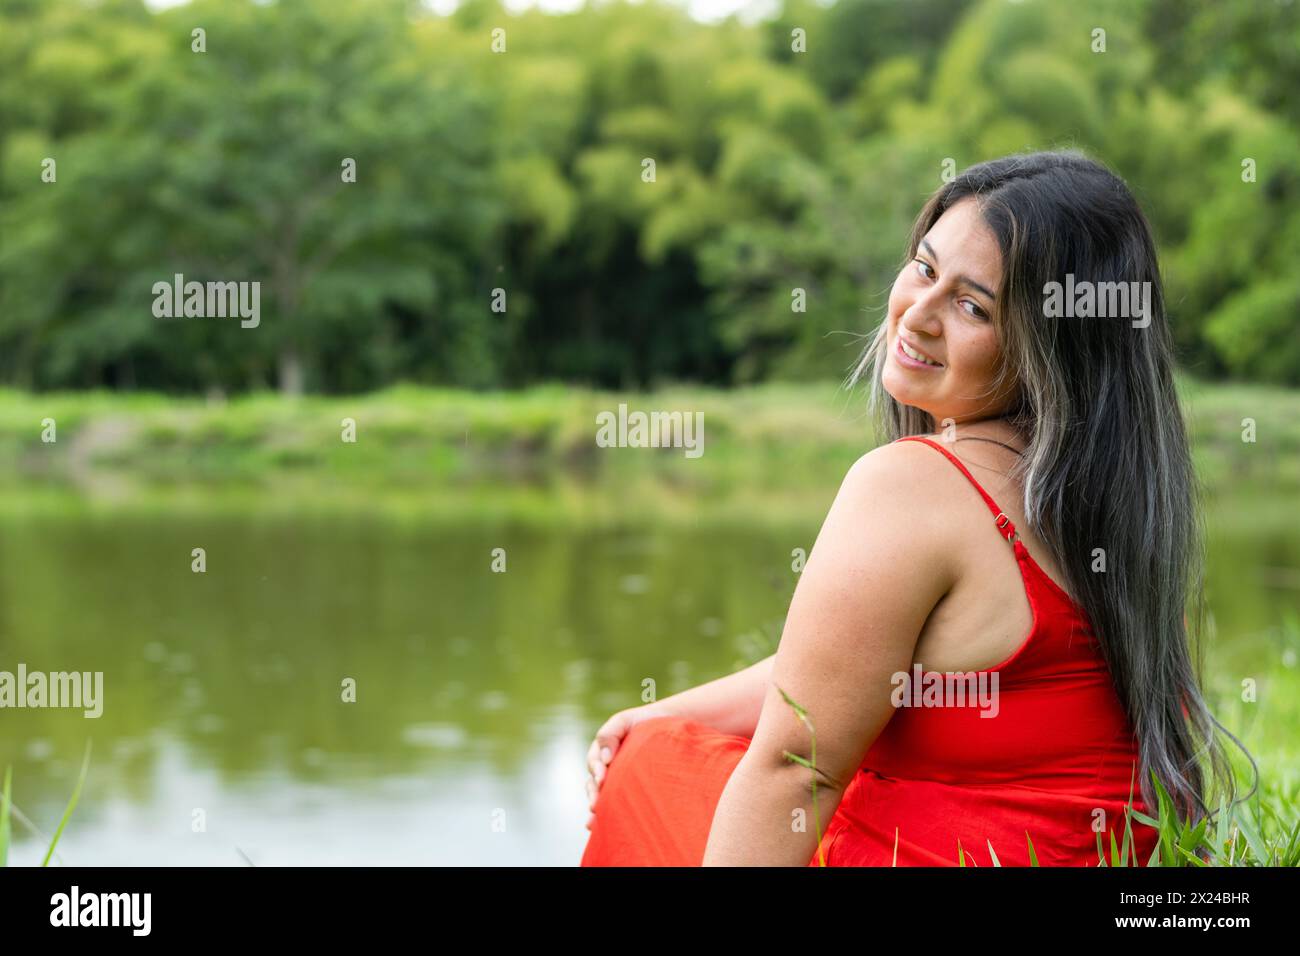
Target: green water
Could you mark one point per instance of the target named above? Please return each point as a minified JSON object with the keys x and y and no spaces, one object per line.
{"x":476,"y":691}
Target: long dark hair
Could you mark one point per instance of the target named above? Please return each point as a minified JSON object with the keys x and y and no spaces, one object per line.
{"x":1107,"y":462}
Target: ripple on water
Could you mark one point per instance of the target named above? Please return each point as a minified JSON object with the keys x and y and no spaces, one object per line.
{"x":435,"y":736}
{"x":39,"y":749}
{"x":634,"y":584}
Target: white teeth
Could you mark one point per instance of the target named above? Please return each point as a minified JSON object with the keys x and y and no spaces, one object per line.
{"x":910,"y":353}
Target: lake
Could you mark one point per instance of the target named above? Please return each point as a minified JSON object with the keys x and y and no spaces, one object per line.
{"x":225,"y":738}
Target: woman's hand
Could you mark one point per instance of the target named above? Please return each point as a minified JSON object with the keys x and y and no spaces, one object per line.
{"x":605,"y":745}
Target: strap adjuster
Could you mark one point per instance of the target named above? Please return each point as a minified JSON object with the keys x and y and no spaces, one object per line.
{"x":1003,"y":522}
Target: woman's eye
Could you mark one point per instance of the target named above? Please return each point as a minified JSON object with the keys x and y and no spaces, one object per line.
{"x":975,"y":310}
{"x":922,"y":266}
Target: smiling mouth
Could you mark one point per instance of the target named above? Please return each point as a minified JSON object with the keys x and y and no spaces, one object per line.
{"x":916,"y":356}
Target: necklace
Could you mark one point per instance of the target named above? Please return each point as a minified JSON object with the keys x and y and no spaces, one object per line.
{"x":993,"y":440}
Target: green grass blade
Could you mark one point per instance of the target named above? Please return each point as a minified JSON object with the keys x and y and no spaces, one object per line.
{"x":1127,"y":842}
{"x":1128,"y":819}
{"x":4,"y":819}
{"x":801,"y":761}
{"x":1262,"y":856}
{"x":72,"y":805}
{"x":1143,"y":818}
{"x":1291,"y":855}
{"x":1168,"y":823}
{"x":802,"y":714}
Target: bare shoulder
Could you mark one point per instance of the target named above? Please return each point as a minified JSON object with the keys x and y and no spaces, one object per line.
{"x":887,"y":539}
{"x":903,"y":472}
{"x":900,"y":492}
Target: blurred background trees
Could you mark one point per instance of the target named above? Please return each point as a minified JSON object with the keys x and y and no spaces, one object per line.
{"x":524,"y":170}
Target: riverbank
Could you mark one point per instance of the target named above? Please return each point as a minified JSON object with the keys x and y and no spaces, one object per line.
{"x":781,"y":448}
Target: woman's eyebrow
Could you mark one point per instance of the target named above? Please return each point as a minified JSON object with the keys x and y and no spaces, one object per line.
{"x":964,"y":279}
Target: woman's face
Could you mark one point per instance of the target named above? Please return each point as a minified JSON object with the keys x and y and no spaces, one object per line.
{"x":941,"y":307}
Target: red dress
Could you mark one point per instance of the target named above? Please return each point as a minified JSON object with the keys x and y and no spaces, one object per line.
{"x":1055,"y":763}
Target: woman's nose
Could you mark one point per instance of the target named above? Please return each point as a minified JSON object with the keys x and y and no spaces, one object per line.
{"x":922,"y":316}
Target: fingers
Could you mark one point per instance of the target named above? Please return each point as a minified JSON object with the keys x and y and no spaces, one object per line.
{"x":598,"y":759}
{"x":602,"y":750}
{"x":599,"y":755}
{"x":598,"y":771}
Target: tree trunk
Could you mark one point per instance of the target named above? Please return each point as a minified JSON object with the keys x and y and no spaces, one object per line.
{"x":290,"y":372}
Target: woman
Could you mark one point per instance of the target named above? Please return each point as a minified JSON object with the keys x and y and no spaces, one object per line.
{"x":1030,"y":525}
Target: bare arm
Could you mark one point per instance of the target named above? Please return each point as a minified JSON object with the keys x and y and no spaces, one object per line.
{"x":730,"y":704}
{"x":878,"y":567}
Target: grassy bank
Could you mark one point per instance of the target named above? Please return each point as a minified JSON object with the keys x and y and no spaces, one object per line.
{"x":782,"y":448}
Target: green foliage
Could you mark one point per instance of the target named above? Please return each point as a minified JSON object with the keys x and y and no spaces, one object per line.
{"x":524,"y":171}
{"x":1255,"y":331}
{"x":1257,"y":833}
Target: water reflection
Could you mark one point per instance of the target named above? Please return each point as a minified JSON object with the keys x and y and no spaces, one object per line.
{"x":475,"y":692}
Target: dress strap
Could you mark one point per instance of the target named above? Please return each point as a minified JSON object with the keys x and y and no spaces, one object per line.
{"x":1004,"y":524}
